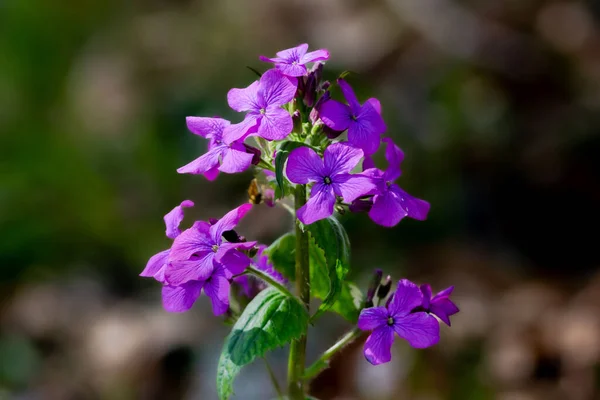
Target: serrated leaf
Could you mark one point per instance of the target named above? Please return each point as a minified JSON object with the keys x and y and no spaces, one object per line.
{"x":271,"y":320}
{"x":349,"y":302}
{"x":283,"y":151}
{"x":282,"y":253}
{"x":330,"y":262}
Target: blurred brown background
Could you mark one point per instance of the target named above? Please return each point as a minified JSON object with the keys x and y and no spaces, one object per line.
{"x":496,"y":104}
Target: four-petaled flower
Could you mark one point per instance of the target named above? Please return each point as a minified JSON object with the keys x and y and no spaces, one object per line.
{"x":392,"y":204}
{"x":292,"y":62}
{"x":331,"y":176}
{"x":420,"y":329}
{"x":439,"y":305}
{"x":364,"y":123}
{"x":263,"y":101}
{"x":226,"y":156}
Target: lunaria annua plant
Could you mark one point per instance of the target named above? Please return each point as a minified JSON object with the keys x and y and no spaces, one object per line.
{"x":303,"y":162}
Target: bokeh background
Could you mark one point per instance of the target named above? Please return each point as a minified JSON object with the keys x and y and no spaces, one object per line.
{"x":496,"y":104}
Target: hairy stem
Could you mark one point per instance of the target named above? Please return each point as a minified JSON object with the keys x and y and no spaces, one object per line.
{"x":322,"y":363}
{"x":296,"y":362}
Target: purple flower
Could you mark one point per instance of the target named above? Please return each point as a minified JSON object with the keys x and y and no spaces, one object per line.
{"x":197,"y":251}
{"x":263,"y":101}
{"x":216,"y":286}
{"x":364,"y":123}
{"x":226,"y":156}
{"x":439,"y":305}
{"x":157,"y":263}
{"x":250,"y":285}
{"x":292,"y":62}
{"x":420,"y":329}
{"x":331,"y":176}
{"x":392,"y":204}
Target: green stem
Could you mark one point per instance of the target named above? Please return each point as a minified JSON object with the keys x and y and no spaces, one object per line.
{"x":296,"y":362}
{"x":274,"y":379}
{"x":322,"y":363}
{"x":265,"y":277}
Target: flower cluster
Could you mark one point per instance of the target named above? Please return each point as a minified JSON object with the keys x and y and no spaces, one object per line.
{"x":409,"y":313}
{"x":304,"y":137}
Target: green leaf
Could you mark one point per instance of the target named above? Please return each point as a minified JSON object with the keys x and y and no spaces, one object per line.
{"x":282,"y":253}
{"x":330,"y":261}
{"x":270,"y":320}
{"x":283,"y":151}
{"x":349,"y":302}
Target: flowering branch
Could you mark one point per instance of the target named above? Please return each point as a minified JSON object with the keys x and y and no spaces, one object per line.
{"x":301,"y":152}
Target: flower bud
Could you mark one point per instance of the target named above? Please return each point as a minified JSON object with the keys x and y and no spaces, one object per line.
{"x":385,"y":288}
{"x":375,"y":282}
{"x":252,"y":252}
{"x":312,"y":82}
{"x":297,"y":120}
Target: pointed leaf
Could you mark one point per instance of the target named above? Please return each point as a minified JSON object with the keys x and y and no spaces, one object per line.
{"x":270,"y":320}
{"x":330,"y":262}
{"x":283,"y":151}
{"x":282,"y":253}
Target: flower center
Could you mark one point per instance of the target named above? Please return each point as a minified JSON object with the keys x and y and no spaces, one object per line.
{"x":354,"y":117}
{"x":263,"y":111}
{"x":327,"y":180}
{"x":215,"y":248}
{"x":390,"y":321}
{"x":294,"y":62}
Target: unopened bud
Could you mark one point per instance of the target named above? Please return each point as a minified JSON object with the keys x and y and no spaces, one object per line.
{"x":297,"y":120}
{"x":373,"y":285}
{"x":212,"y":221}
{"x":385,"y":288}
{"x":252,"y":252}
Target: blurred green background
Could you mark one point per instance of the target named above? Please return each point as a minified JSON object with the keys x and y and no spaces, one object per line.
{"x":496,"y":104}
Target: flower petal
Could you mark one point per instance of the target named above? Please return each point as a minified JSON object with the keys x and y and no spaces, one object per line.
{"x":228,"y":222}
{"x":292,"y":70}
{"x":394,"y":156}
{"x":205,"y":163}
{"x":174,"y":218}
{"x":407,"y":297}
{"x":372,"y":318}
{"x":217,"y":288}
{"x":245,"y":99}
{"x":378,"y":347}
{"x":211,"y":174}
{"x":319,"y":206}
{"x":235,"y":161}
{"x":426,"y":290}
{"x":340,"y":158}
{"x":415,"y":208}
{"x":386,"y":211}
{"x":376,"y":104}
{"x":193,"y":240}
{"x":420,"y":329}
{"x":317,"y":55}
{"x":240,"y":130}
{"x":443,"y":309}
{"x":263,"y":264}
{"x":197,"y":268}
{"x":276,"y":89}
{"x":368,"y":163}
{"x":275,"y":124}
{"x":304,"y":165}
{"x":181,"y":298}
{"x":294,"y":53}
{"x":365,"y":131}
{"x":155,"y":263}
{"x":207,"y":127}
{"x":349,"y":96}
{"x":335,"y":115}
{"x":444,"y":293}
{"x":234,"y":261}
{"x":351,"y":187}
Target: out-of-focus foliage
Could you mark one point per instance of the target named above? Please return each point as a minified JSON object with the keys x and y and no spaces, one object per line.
{"x":495,"y":104}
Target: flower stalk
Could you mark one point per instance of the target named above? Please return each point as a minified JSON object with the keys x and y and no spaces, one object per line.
{"x":297,"y":356}
{"x":323,"y":362}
